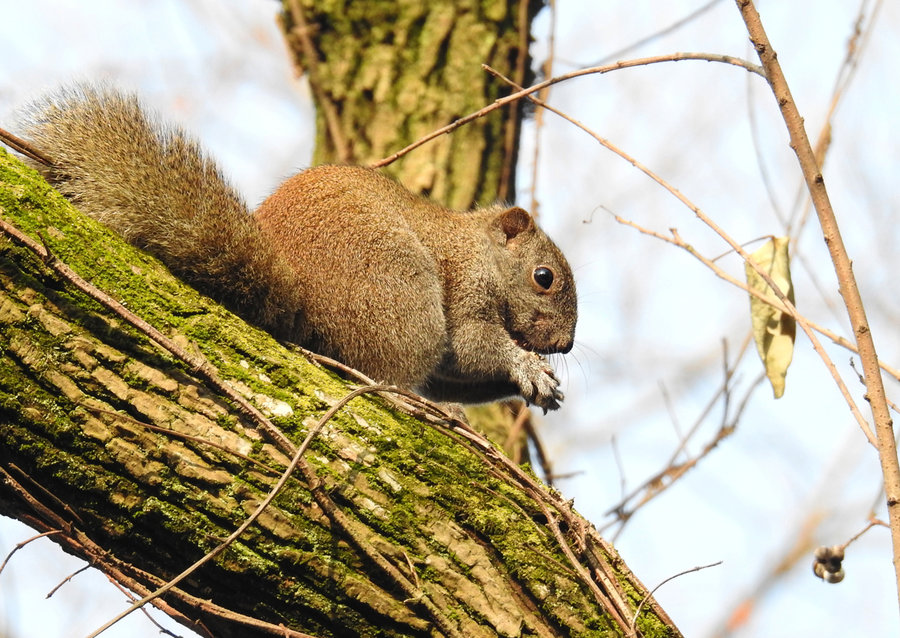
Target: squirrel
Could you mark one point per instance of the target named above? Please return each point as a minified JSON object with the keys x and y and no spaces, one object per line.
{"x":460,"y":306}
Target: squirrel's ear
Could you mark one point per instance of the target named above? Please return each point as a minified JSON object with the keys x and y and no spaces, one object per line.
{"x":515,"y":221}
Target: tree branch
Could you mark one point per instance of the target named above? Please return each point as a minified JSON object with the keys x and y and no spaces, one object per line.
{"x":815,"y":183}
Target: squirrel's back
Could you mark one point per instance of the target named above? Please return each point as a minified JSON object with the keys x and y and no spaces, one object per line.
{"x":459,"y":304}
{"x":153,"y":184}
{"x":373,"y":294}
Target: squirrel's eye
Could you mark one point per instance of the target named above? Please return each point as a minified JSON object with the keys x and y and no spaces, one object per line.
{"x":543,"y":277}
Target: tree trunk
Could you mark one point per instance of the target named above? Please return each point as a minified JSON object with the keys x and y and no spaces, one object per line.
{"x":399,"y":522}
{"x":386,"y":73}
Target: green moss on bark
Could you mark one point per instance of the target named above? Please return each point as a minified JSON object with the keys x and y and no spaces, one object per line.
{"x":76,"y":387}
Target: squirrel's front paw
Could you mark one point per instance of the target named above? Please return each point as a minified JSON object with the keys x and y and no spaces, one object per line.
{"x":537,"y":382}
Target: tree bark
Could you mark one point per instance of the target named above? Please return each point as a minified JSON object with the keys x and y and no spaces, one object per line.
{"x":386,"y":73}
{"x":401,"y":522}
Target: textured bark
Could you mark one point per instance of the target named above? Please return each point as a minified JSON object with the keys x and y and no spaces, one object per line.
{"x":409,"y":526}
{"x":77,"y":388}
{"x":393,"y":71}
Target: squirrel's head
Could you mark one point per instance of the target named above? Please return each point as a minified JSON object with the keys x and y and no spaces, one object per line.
{"x":541,"y":307}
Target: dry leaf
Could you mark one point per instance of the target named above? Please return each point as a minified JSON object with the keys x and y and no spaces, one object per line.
{"x":773,"y":330}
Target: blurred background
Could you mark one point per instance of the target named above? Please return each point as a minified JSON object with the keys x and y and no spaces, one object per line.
{"x":657,"y":330}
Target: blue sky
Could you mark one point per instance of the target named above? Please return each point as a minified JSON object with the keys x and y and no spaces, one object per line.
{"x":653,"y":320}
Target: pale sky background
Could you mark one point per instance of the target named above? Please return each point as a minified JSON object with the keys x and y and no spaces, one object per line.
{"x":653,"y":320}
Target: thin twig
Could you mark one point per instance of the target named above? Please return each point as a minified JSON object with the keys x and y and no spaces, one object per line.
{"x":521,"y":415}
{"x":674,"y":576}
{"x":130,"y":596}
{"x":66,"y":580}
{"x":75,"y":518}
{"x":512,"y":129}
{"x":542,"y":457}
{"x":873,"y":522}
{"x":693,"y":15}
{"x":332,"y":121}
{"x":518,"y":95}
{"x":547,"y":70}
{"x":24,"y":147}
{"x":670,"y":409}
{"x":620,"y":466}
{"x":601,"y":597}
{"x":862,"y":382}
{"x":768,"y":185}
{"x":24,"y":543}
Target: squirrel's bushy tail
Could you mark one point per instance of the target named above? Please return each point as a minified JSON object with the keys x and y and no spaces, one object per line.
{"x":154,"y":185}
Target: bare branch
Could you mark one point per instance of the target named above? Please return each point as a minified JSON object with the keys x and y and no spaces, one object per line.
{"x":786,"y":303}
{"x":672,"y":577}
{"x":809,"y":165}
{"x":518,"y":95}
{"x":23,"y":544}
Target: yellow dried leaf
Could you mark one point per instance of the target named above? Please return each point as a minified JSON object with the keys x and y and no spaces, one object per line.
{"x":773,"y":330}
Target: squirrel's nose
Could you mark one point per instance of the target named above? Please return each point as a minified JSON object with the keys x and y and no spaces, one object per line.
{"x":564,"y":346}
{"x":559,"y":347}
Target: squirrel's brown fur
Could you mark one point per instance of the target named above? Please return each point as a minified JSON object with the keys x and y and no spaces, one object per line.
{"x":342,"y":259}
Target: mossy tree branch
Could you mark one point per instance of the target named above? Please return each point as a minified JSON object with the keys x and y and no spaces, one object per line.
{"x":103,"y":435}
{"x":449,"y":514}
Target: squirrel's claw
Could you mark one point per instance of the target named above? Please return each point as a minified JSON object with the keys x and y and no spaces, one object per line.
{"x":537,"y":382}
